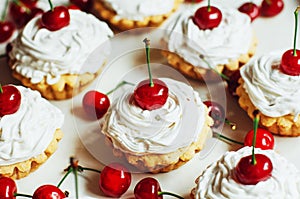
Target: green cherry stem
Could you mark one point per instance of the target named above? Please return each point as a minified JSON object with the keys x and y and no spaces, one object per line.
{"x":169,"y":194}
{"x":147,"y":45}
{"x":222,"y":137}
{"x":69,"y":170}
{"x":255,"y":126}
{"x":22,"y":195}
{"x":208,"y":64}
{"x":208,"y":6}
{"x":118,"y":86}
{"x":1,"y":90}
{"x":296,"y":30}
{"x":51,"y":5}
{"x":4,"y":11}
{"x":80,"y":168}
{"x":75,"y":172}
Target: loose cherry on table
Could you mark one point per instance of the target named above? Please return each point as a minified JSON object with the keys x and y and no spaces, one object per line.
{"x":253,"y":168}
{"x":207,"y":17}
{"x":114,"y":180}
{"x":10,"y":100}
{"x":149,"y":188}
{"x":150,"y":94}
{"x":270,"y":8}
{"x":21,"y":14}
{"x":48,"y":192}
{"x":8,"y":188}
{"x":290,"y":60}
{"x":56,"y":18}
{"x":251,"y":9}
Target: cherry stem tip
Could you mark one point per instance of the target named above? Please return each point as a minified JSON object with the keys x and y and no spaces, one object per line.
{"x":1,"y":90}
{"x":170,"y":194}
{"x":147,"y":46}
{"x":4,"y":11}
{"x":231,"y":124}
{"x":296,"y":12}
{"x":224,"y":138}
{"x":51,"y":5}
{"x":118,"y":86}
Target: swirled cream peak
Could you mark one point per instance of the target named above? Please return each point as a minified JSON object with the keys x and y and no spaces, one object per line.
{"x":29,"y":131}
{"x":137,"y":10}
{"x":40,"y":53}
{"x":177,"y":124}
{"x":228,"y":41}
{"x":218,"y":181}
{"x":274,"y":93}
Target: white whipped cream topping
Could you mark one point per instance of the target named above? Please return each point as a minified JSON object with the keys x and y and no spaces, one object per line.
{"x":274,"y":93}
{"x":42,"y":53}
{"x":175,"y":125}
{"x":28,"y":132}
{"x":218,"y":182}
{"x":137,"y":10}
{"x":229,"y":40}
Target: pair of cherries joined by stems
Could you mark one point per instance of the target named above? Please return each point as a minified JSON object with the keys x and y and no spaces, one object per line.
{"x":149,"y":94}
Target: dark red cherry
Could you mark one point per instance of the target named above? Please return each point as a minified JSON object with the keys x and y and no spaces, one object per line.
{"x":150,"y":98}
{"x":207,"y":17}
{"x":56,"y":19}
{"x":147,"y":188}
{"x":290,"y":63}
{"x":6,"y":30}
{"x":10,"y":100}
{"x":8,"y":188}
{"x":251,"y":9}
{"x":193,"y":1}
{"x":270,"y":8}
{"x":264,"y":139}
{"x":84,"y":5}
{"x":48,"y":192}
{"x":115,"y":180}
{"x":250,"y":174}
{"x":217,"y":112}
{"x":95,"y":104}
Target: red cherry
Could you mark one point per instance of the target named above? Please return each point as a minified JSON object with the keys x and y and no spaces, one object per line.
{"x":48,"y":192}
{"x":251,"y":9}
{"x":95,"y":104}
{"x":147,"y":188}
{"x":73,"y":7}
{"x":84,"y":5}
{"x":10,"y":100}
{"x":264,"y":139}
{"x":6,"y":30}
{"x":56,"y":19}
{"x":115,"y":180}
{"x":250,"y":174}
{"x":207,"y":17}
{"x":290,"y":64}
{"x":216,"y":112}
{"x":270,"y":8}
{"x":8,"y":188}
{"x":150,"y":98}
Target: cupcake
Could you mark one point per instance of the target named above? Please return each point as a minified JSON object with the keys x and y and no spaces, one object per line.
{"x":200,"y":52}
{"x":53,"y":62}
{"x":265,"y":87}
{"x":30,"y":131}
{"x":219,"y":181}
{"x":162,"y":139}
{"x":130,"y":14}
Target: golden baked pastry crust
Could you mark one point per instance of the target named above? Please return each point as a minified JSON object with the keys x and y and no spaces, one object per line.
{"x":203,"y":74}
{"x":283,"y":126}
{"x":158,"y":163}
{"x":68,"y":85}
{"x":23,"y":169}
{"x":108,"y":15}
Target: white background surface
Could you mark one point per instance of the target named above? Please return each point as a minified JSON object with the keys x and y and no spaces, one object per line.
{"x":273,"y":34}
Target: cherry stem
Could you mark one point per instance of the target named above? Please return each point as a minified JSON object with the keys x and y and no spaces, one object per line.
{"x":118,"y":86}
{"x":147,"y":45}
{"x":75,"y":172}
{"x":4,"y":11}
{"x":208,"y":64}
{"x":169,"y":194}
{"x":255,"y":126}
{"x":208,"y":6}
{"x":51,"y":5}
{"x":23,"y":195}
{"x":222,"y":137}
{"x":69,"y":170}
{"x":20,"y":4}
{"x":80,"y":168}
{"x":1,"y":90}
{"x":231,"y":124}
{"x":296,"y":29}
